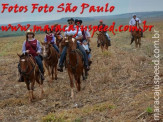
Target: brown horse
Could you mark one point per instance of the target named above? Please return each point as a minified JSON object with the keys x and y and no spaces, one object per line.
{"x":136,"y":33}
{"x":50,"y":56}
{"x":30,"y":72}
{"x":74,"y":63}
{"x":102,"y":38}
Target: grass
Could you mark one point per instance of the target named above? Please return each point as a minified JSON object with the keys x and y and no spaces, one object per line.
{"x":77,"y":113}
{"x":119,"y":86}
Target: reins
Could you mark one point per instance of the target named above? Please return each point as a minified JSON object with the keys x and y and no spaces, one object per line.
{"x":25,"y":72}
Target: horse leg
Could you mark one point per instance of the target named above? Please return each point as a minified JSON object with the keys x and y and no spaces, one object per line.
{"x":102,"y":48}
{"x":56,"y":72}
{"x":86,"y":74}
{"x":28,"y":88}
{"x":47,"y":67}
{"x":139,"y":42}
{"x":136,"y":43}
{"x":83,"y":75}
{"x":42,"y":91}
{"x":32,"y":88}
{"x":77,"y":79}
{"x":106,"y":46}
{"x":40,"y":84}
{"x":71,"y":84}
{"x":52,"y":72}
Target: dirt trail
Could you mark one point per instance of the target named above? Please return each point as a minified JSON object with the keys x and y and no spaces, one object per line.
{"x":119,"y":87}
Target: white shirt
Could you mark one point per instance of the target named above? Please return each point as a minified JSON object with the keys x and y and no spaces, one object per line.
{"x":86,"y":32}
{"x":73,"y":32}
{"x":133,"y":22}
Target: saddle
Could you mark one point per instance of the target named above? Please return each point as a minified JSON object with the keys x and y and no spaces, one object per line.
{"x":80,"y":53}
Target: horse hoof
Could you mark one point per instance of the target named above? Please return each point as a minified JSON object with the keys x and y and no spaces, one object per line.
{"x":56,"y":78}
{"x":84,"y":78}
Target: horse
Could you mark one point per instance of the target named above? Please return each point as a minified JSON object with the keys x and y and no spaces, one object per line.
{"x":74,"y":63}
{"x":136,"y":33}
{"x":103,"y":40}
{"x":50,"y":57}
{"x":30,"y":72}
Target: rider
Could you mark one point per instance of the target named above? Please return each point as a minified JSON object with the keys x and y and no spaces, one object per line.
{"x":107,"y":35}
{"x":51,"y":39}
{"x":132,"y":22}
{"x":32,"y":46}
{"x":85,"y":40}
{"x":79,"y":46}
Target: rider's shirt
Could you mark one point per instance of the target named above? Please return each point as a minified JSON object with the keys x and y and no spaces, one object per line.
{"x":49,"y":38}
{"x":85,"y":34}
{"x":33,"y":46}
{"x":73,"y":32}
{"x":103,"y":25}
{"x":133,"y":21}
{"x":57,"y":32}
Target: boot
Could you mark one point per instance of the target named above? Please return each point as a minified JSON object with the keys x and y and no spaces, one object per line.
{"x":87,"y":68}
{"x":98,"y":45}
{"x":109,"y":43}
{"x":90,"y":62}
{"x":60,"y":68}
{"x":21,"y":79}
{"x":132,"y":40}
{"x":141,"y":34}
{"x":42,"y":76}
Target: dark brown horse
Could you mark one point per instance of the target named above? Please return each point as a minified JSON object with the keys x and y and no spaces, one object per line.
{"x":30,"y":72}
{"x":136,"y":33}
{"x":50,"y":56}
{"x":74,"y":63}
{"x":102,"y":38}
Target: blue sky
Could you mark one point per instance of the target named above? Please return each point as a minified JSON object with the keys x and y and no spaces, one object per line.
{"x":121,"y":6}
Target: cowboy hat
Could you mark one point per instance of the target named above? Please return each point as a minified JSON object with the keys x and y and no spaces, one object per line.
{"x":77,"y":20}
{"x":71,"y":19}
{"x":30,"y":32}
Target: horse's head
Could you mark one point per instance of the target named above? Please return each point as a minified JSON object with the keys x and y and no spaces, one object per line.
{"x":71,"y":42}
{"x":45,"y":49}
{"x":137,"y":23}
{"x":23,"y":62}
{"x":99,"y":35}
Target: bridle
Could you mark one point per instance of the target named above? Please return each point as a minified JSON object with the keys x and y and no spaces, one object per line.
{"x":25,"y":73}
{"x":72,"y":51}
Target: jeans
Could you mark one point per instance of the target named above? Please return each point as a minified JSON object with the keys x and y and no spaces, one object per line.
{"x":55,"y":47}
{"x":81,"y":48}
{"x":107,"y":36}
{"x":63,"y":55}
{"x":39,"y":63}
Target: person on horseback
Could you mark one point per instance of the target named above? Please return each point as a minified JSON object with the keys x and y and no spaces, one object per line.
{"x":57,"y":32}
{"x":85,"y":40}
{"x":51,"y":39}
{"x":107,"y":35}
{"x":32,"y":46}
{"x":79,"y":36}
{"x":132,"y":22}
